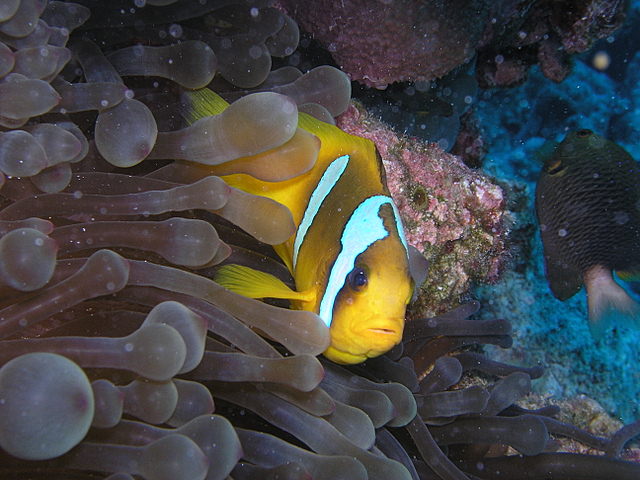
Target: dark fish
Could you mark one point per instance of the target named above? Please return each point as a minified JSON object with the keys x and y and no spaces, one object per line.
{"x":588,"y":207}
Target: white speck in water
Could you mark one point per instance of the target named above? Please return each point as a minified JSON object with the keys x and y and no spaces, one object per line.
{"x":39,"y":242}
{"x":103,"y":210}
{"x":443,"y":143}
{"x":499,"y":59}
{"x":254,"y":12}
{"x":77,"y":194}
{"x":129,"y":94}
{"x":128,"y":347}
{"x":620,"y":217}
{"x":255,"y":52}
{"x":468,"y":99}
{"x":175,"y":30}
{"x":294,"y":59}
{"x":111,"y":286}
{"x":104,"y":103}
{"x":562,"y":232}
{"x":22,"y":322}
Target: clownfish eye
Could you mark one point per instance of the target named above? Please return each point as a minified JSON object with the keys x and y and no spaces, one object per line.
{"x":357,"y":279}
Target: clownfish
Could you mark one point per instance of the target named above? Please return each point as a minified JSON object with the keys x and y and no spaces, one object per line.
{"x":348,"y":256}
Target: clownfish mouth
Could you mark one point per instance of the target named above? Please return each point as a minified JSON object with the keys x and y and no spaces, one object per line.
{"x":383,"y":331}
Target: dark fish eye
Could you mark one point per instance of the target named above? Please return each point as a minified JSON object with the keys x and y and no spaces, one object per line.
{"x":584,"y":132}
{"x":357,"y":279}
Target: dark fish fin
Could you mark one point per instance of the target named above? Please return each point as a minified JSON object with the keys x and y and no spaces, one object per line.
{"x":629,"y":275}
{"x":608,"y":302}
{"x":564,"y":280}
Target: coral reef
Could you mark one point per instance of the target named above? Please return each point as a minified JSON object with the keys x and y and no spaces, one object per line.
{"x":455,"y":216}
{"x":121,"y":358}
{"x":411,"y":40}
{"x":387,"y":42}
{"x":546,"y":33}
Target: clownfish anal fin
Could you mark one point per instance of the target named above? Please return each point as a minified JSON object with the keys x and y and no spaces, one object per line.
{"x":256,"y":284}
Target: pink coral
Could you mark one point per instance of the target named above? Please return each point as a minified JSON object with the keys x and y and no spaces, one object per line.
{"x":453,"y":214}
{"x":385,"y":41}
{"x":381,"y":42}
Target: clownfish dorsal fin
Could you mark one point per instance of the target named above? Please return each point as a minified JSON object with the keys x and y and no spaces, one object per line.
{"x":256,"y":284}
{"x":325,"y":131}
{"x":202,"y":103}
{"x":310,"y":123}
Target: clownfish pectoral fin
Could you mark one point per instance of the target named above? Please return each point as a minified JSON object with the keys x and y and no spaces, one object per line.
{"x":256,"y":284}
{"x":418,"y":268}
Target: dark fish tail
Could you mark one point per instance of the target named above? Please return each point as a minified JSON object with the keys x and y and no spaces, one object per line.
{"x":608,"y":302}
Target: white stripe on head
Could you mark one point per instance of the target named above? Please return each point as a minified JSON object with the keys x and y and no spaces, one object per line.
{"x":328,"y":180}
{"x":365,"y":226}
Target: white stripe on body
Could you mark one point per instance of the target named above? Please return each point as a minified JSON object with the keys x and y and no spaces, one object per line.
{"x":328,"y":180}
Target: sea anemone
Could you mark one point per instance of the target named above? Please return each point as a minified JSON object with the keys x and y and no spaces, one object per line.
{"x":115,"y":342}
